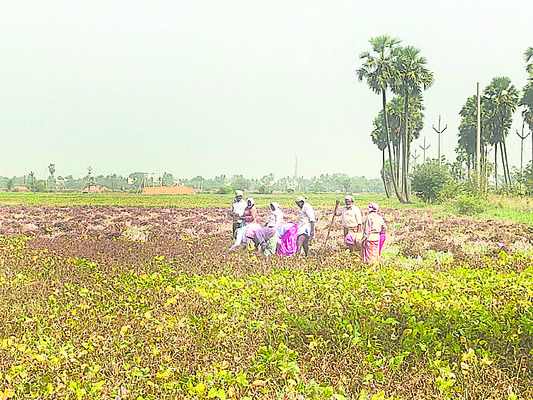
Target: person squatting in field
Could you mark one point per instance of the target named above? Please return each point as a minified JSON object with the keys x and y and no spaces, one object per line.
{"x":245,"y":235}
{"x":374,"y":231}
{"x":237,"y":211}
{"x":306,"y":225}
{"x":351,"y":222}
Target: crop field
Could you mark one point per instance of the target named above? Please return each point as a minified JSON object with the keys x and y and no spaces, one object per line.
{"x":139,"y":298}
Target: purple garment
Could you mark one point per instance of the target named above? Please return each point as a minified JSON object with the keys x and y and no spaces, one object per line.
{"x":382,"y":238}
{"x":263,"y":235}
{"x":288,"y":241}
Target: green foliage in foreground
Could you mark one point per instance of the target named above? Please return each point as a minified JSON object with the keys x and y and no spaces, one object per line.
{"x":73,"y":329}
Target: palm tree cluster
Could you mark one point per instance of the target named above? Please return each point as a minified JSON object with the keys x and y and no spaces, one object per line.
{"x":402,"y":71}
{"x":498,"y":102}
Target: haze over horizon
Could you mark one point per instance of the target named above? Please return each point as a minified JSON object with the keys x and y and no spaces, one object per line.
{"x":209,"y":88}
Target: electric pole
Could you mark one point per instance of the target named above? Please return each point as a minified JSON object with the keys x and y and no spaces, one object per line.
{"x":424,"y":149}
{"x":89,"y":179}
{"x":295,"y":179}
{"x":440,"y":133}
{"x":522,"y":138}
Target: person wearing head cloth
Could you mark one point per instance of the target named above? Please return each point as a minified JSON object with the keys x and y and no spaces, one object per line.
{"x":276,"y":215}
{"x":351,"y":221}
{"x":267,"y":238}
{"x":250,"y":212}
{"x":373,"y":228}
{"x":237,"y":211}
{"x":306,"y":225}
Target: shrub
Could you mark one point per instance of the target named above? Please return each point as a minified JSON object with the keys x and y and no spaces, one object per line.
{"x":470,"y":205}
{"x":429,"y":181}
{"x":225,"y":190}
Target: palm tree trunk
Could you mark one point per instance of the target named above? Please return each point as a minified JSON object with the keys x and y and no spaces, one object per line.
{"x":405,"y":149}
{"x":503,"y":164}
{"x":504,"y":153}
{"x":394,"y":180}
{"x":387,"y":192}
{"x":496,"y":165}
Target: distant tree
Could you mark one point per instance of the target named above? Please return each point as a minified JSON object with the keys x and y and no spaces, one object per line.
{"x":240,"y":182}
{"x":379,"y":70}
{"x":527,"y":94}
{"x":167,"y":179}
{"x":414,"y":77}
{"x":501,"y":102}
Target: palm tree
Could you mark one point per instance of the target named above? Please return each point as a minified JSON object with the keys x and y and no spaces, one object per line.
{"x":414,"y":77}
{"x":381,"y":75}
{"x":379,"y":138}
{"x":527,"y":95}
{"x":528,"y":55}
{"x":502,"y":101}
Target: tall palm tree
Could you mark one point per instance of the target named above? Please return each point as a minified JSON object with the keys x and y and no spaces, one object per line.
{"x":379,"y":138}
{"x":527,"y":95}
{"x":414,"y":76}
{"x":381,"y":75}
{"x":502,"y":100}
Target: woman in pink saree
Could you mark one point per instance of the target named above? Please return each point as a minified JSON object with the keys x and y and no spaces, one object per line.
{"x":288,"y":234}
{"x":373,"y":229}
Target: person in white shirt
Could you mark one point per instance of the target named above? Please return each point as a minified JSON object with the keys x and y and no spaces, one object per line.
{"x":306,"y":225}
{"x":237,"y":211}
{"x":351,"y":221}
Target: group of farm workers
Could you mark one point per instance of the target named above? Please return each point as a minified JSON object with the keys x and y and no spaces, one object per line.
{"x":278,"y":237}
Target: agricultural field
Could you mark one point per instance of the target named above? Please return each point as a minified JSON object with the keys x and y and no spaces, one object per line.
{"x":129,"y":297}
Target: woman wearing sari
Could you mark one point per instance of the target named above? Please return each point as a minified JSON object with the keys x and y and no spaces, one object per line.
{"x":250,"y":212}
{"x":288,"y":235}
{"x":373,"y":228}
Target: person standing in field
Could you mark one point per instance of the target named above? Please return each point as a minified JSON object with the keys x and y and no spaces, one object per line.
{"x":237,"y":211}
{"x":373,"y":228}
{"x":306,"y":225}
{"x":250,"y":212}
{"x":276,"y":215}
{"x":351,"y":222}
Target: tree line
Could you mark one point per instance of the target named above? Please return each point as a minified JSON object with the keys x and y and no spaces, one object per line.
{"x":221,"y":184}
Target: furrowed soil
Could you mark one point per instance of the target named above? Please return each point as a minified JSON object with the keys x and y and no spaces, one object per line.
{"x":147,"y":303}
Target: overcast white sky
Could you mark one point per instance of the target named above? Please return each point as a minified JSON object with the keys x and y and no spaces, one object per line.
{"x":233,"y":87}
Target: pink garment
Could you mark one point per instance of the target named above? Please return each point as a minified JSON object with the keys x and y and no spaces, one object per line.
{"x":382,"y":238}
{"x":354,"y":238}
{"x":287,"y":246}
{"x":370,"y":252}
{"x":251,"y":229}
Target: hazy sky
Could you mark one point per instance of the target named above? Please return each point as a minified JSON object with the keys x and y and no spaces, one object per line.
{"x":233,"y":87}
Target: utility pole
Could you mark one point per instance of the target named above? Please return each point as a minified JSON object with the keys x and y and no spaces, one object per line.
{"x":424,"y":148}
{"x":32,"y":177}
{"x":478,"y":139}
{"x":414,"y":157}
{"x":295,"y":179}
{"x":440,"y":133}
{"x":89,"y":179}
{"x":522,"y":138}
